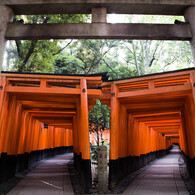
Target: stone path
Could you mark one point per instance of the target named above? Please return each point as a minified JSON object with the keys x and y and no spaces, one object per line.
{"x":161,"y":178}
{"x":50,"y":177}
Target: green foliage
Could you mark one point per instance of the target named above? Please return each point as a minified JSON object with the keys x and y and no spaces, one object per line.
{"x":39,"y":56}
{"x":41,"y":59}
{"x":99,"y":119}
{"x":91,"y":54}
{"x":68,"y":64}
{"x":147,"y":56}
{"x":157,"y":56}
{"x":94,"y":153}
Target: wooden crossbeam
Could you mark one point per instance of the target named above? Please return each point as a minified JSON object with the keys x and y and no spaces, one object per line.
{"x":57,"y":90}
{"x":54,"y":78}
{"x":164,"y":124}
{"x":155,"y":113}
{"x":43,"y":104}
{"x":159,"y":118}
{"x":35,"y":112}
{"x":155,"y":77}
{"x":161,"y":90}
{"x":16,"y":31}
{"x":172,"y":135}
{"x":49,"y":120}
{"x":55,"y":115}
{"x":37,"y":90}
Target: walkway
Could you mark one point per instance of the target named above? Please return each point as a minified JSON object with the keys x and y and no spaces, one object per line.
{"x":162,"y":177}
{"x":50,"y":177}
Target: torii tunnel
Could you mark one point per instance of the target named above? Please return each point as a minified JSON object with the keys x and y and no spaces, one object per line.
{"x":42,"y":115}
{"x":148,"y":114}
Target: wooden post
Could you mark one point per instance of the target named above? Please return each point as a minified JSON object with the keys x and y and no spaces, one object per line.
{"x":85,"y":144}
{"x":77,"y":154}
{"x":192,"y":113}
{"x":123,"y":132}
{"x":75,"y":136}
{"x":114,"y":123}
{"x":3,"y":98}
{"x":78,"y":117}
{"x":86,"y":179}
{"x":114,"y":172}
{"x":43,"y":83}
{"x":192,"y":80}
{"x":10,"y":125}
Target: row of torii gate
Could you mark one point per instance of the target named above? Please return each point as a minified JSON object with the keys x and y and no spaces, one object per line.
{"x":148,"y":113}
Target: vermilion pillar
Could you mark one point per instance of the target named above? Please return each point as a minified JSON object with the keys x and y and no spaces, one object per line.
{"x":190,"y":112}
{"x":75,"y":136}
{"x":85,"y":144}
{"x":4,"y":101}
{"x":192,"y":80}
{"x":86,"y":179}
{"x":114,"y":127}
{"x":114,"y":123}
{"x":184,"y":132}
{"x":123,"y":132}
{"x":122,"y":142}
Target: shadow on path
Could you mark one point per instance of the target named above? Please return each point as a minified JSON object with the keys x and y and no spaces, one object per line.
{"x":50,"y":177}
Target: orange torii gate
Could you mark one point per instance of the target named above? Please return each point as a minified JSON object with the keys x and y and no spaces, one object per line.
{"x":43,"y":114}
{"x":40,"y":113}
{"x":148,"y":114}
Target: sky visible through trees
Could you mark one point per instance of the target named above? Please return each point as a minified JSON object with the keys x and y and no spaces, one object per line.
{"x":120,"y":58}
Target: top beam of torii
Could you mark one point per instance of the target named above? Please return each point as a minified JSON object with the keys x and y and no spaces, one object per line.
{"x":156,"y":7}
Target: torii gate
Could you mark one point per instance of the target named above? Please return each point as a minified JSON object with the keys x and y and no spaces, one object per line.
{"x":99,"y":28}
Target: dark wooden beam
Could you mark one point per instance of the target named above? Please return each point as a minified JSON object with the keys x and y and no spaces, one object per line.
{"x":18,"y":31}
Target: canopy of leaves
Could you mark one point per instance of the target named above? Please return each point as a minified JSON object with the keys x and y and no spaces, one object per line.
{"x":39,"y":56}
{"x":99,"y":117}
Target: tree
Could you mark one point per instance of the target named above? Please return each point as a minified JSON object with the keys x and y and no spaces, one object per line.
{"x":142,"y":54}
{"x":68,"y":64}
{"x":99,"y":120}
{"x":39,"y":56}
{"x":148,"y":56}
{"x":89,"y":56}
